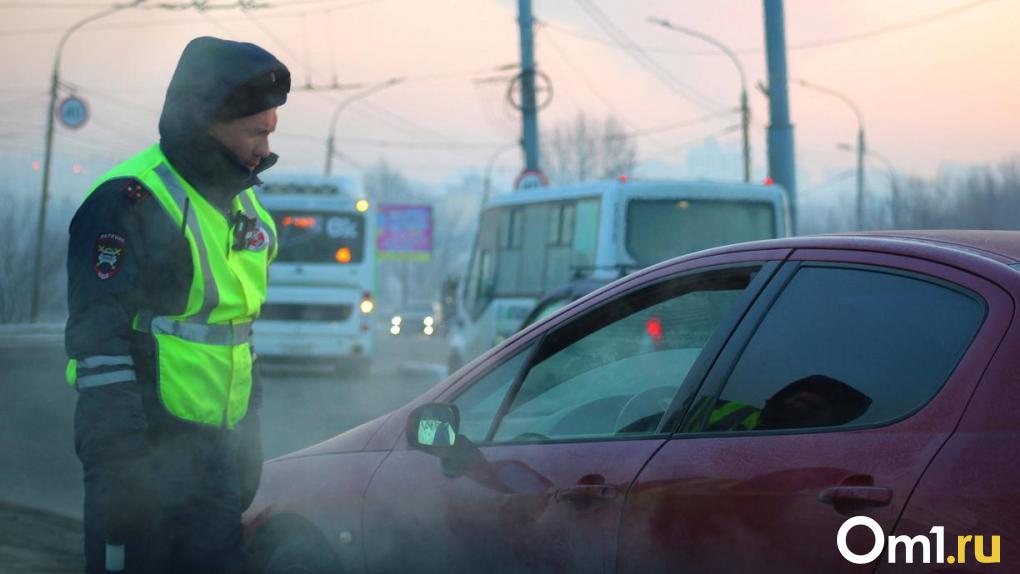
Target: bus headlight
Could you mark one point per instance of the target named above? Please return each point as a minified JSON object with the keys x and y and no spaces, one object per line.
{"x":367,"y":306}
{"x":395,"y":330}
{"x":395,"y":321}
{"x":429,"y":321}
{"x":429,"y":330}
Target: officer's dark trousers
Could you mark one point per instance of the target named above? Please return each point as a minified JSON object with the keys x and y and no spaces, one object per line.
{"x":185,"y":517}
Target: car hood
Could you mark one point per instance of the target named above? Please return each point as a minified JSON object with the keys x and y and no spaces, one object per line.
{"x":353,"y":440}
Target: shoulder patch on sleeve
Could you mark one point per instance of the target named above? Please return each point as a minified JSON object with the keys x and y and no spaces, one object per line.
{"x":108,"y":254}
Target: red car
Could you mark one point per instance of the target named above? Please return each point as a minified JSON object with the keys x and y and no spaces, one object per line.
{"x":826,"y":404}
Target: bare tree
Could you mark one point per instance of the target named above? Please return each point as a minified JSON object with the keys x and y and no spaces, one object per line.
{"x":981,"y":198}
{"x":586,"y":148}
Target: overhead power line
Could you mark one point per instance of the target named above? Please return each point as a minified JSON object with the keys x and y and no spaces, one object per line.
{"x":443,"y":145}
{"x":267,"y":14}
{"x":672,"y":126}
{"x":811,"y":44}
{"x":892,"y":27}
{"x":290,"y":3}
{"x":638,"y":55}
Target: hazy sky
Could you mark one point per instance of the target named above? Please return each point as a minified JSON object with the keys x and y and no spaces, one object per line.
{"x":944,"y":91}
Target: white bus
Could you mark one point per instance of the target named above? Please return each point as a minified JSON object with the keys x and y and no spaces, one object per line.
{"x":535,"y":240}
{"x":320,"y":286}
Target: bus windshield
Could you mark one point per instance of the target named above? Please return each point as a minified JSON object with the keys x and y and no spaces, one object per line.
{"x":658,"y":229}
{"x":320,"y":237}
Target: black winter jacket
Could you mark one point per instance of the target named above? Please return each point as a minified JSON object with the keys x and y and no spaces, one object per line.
{"x":125,"y":254}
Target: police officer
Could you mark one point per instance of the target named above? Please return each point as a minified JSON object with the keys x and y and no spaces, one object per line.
{"x":167,"y":267}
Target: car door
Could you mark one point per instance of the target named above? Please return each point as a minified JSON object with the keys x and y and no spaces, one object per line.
{"x":829,"y":402}
{"x":559,"y":430}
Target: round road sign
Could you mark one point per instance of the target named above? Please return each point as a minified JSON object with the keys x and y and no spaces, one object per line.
{"x":531,"y":179}
{"x":73,"y":112}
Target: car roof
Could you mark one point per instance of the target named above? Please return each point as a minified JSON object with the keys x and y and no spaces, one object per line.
{"x":989,"y":243}
{"x":999,"y":246}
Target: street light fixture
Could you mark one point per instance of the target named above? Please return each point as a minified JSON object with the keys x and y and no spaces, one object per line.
{"x":745,"y":111}
{"x":861,"y":149}
{"x":48,"y":154}
{"x":331,"y":141}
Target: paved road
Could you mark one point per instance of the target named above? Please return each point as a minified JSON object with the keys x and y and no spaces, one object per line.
{"x":303,"y":405}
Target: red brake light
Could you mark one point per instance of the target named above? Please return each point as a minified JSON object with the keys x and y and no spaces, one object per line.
{"x":654,"y":328}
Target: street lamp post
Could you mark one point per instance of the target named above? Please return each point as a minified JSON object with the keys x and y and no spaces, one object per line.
{"x":51,"y":110}
{"x":861,"y":148}
{"x":893,"y":184}
{"x":331,"y":141}
{"x":745,"y":111}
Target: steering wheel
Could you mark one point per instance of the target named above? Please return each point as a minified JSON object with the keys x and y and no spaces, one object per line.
{"x":644,"y":405}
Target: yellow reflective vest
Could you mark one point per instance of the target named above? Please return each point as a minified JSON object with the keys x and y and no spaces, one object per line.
{"x":203,"y":355}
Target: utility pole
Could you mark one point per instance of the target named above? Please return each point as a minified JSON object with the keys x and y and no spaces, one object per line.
{"x":745,"y":111}
{"x":782,"y":168}
{"x":51,"y":111}
{"x":860,"y":177}
{"x":862,"y":157}
{"x":529,"y":106}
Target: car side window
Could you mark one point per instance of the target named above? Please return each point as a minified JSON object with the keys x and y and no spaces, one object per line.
{"x":614,"y":371}
{"x":846,"y":347}
{"x":480,"y":402}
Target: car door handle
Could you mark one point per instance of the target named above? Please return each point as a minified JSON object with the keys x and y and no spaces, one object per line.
{"x":857,"y":495}
{"x":586,"y":493}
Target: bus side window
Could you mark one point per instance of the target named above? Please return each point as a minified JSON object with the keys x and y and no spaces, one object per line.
{"x":559,"y":240}
{"x":534,"y":250}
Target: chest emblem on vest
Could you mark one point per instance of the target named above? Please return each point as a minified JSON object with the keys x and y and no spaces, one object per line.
{"x":256,"y":239}
{"x":108,"y":252}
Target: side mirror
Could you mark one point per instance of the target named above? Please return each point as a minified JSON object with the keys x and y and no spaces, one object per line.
{"x":433,"y":427}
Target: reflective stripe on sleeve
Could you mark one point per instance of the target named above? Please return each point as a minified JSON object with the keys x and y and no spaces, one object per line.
{"x":106,"y":361}
{"x":89,"y":381}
